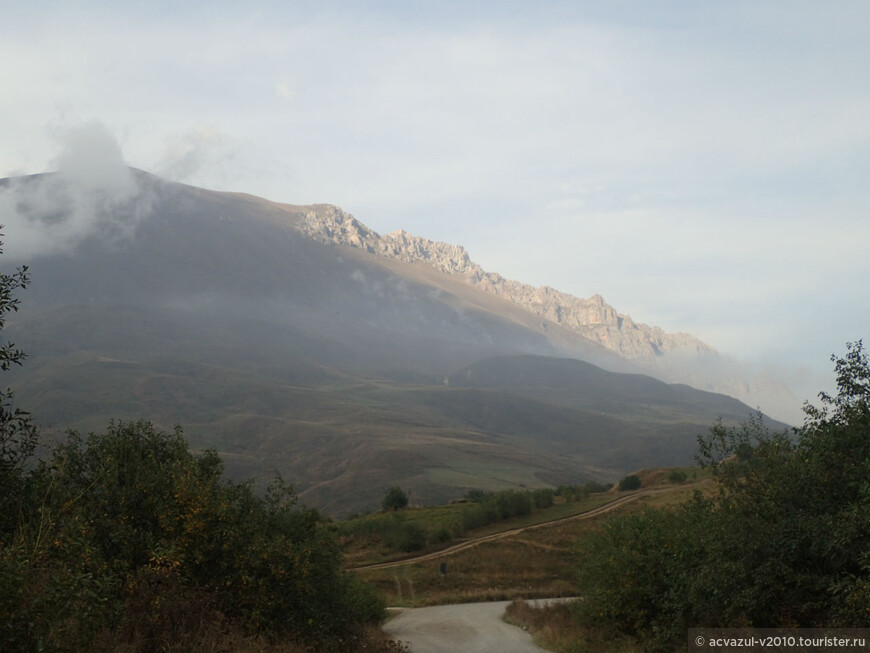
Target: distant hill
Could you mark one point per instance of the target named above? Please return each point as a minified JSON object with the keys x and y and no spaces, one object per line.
{"x":283,"y":337}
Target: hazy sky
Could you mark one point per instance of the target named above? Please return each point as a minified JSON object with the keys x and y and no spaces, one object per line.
{"x":703,"y":165}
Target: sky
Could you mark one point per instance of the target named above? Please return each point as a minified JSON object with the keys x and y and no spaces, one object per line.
{"x":701,"y":165}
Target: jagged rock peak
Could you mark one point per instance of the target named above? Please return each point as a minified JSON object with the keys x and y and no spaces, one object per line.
{"x":592,"y":317}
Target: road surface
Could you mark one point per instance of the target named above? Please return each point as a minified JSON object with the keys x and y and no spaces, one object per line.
{"x":465,"y":628}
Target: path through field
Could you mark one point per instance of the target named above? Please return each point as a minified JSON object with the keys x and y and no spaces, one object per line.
{"x":595,"y":512}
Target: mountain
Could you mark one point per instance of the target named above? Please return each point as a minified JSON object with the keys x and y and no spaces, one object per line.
{"x":295,"y":339}
{"x":592,"y":318}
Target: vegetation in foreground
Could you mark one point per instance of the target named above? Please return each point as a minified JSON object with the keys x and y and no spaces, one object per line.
{"x":127,"y":541}
{"x":783,"y":542}
{"x":556,"y":628}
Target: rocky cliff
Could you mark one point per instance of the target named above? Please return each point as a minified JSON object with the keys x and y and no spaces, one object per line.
{"x":592,"y":317}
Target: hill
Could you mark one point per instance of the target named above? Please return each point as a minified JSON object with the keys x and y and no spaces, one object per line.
{"x":346,"y":370}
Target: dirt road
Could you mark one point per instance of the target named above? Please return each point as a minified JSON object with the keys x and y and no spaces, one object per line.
{"x":469,"y":628}
{"x":613,"y":505}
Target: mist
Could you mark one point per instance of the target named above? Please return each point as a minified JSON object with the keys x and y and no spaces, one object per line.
{"x":91,"y":194}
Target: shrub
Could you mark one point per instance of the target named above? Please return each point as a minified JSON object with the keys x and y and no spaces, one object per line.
{"x":394,"y":499}
{"x":594,"y":487}
{"x":677,"y":477}
{"x":630,"y":482}
{"x":543,"y":498}
{"x":131,"y":513}
{"x":784,"y":542}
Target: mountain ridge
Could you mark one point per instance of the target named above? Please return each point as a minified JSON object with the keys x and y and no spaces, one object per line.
{"x":334,"y":366}
{"x":592,"y":318}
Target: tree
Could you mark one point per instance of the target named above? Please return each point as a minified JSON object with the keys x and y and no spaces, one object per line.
{"x":394,"y":499}
{"x":785,"y":541}
{"x":18,"y":433}
{"x":630,"y":482}
{"x":134,"y":537}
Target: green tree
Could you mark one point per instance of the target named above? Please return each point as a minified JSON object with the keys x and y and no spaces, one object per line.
{"x":630,"y":482}
{"x":395,"y":499}
{"x":130,"y":522}
{"x":18,"y":433}
{"x":785,"y":541}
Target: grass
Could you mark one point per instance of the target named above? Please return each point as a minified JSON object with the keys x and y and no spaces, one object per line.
{"x":555,"y":628}
{"x":537,"y":563}
{"x":364,"y":542}
{"x":490,"y":477}
{"x":340,"y":436}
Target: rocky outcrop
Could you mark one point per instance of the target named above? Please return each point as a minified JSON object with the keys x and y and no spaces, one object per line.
{"x":592,"y":317}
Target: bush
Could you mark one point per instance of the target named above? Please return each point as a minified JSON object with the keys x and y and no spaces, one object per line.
{"x":543,"y":498}
{"x":394,"y":499}
{"x":784,"y":542}
{"x":402,"y":535}
{"x":594,"y":487}
{"x":630,"y":482}
{"x":131,"y":513}
{"x":677,"y":477}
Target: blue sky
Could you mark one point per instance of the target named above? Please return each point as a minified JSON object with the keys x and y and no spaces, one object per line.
{"x":702,"y":165}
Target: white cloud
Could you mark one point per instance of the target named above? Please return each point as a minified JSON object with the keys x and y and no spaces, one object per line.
{"x":92,"y":194}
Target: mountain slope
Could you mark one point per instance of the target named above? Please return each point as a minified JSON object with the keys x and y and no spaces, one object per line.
{"x":345,"y":370}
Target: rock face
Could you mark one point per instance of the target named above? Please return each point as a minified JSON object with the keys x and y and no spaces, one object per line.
{"x":593,"y":317}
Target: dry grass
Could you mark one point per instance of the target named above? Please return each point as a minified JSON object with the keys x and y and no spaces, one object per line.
{"x":361,"y":549}
{"x":537,"y":563}
{"x":220,"y":639}
{"x":555,"y":628}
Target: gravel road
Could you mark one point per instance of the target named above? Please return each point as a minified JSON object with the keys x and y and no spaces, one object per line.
{"x":468,"y":627}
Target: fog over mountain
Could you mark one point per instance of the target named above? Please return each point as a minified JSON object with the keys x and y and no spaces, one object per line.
{"x":295,"y":338}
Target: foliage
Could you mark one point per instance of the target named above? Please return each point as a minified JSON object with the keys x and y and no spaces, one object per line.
{"x":120,"y":525}
{"x":784,"y":542}
{"x":405,"y":536}
{"x":496,"y":506}
{"x":395,"y":499}
{"x":18,"y":433}
{"x":412,"y":530}
{"x":677,"y":477}
{"x":630,"y":482}
{"x":553,"y":627}
{"x":594,"y":487}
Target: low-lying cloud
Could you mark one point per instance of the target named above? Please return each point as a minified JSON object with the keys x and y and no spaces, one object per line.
{"x":92,"y":194}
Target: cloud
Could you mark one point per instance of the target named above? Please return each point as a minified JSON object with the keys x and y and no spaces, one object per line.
{"x":92,"y":194}
{"x":200,"y":154}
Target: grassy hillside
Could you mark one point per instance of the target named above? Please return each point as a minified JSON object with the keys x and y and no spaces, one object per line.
{"x":344,"y":438}
{"x":539,"y":561}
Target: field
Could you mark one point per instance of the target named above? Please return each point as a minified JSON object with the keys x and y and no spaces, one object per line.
{"x":532,"y":559}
